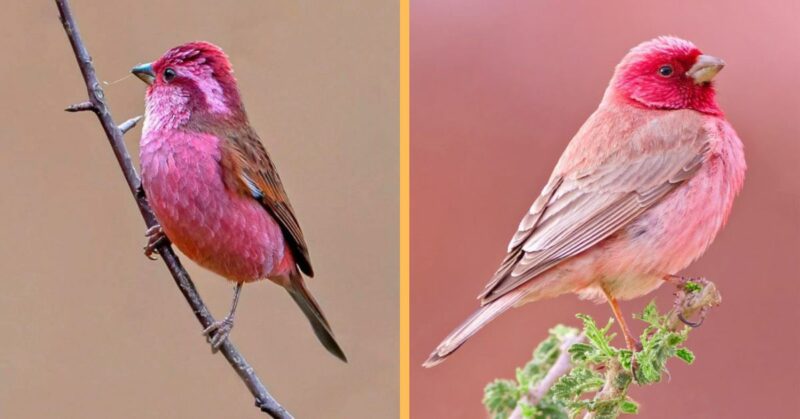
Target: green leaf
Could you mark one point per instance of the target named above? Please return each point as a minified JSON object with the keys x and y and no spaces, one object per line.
{"x":675,"y":339}
{"x":599,"y":338}
{"x":575,"y":383}
{"x":581,"y":351}
{"x":528,"y":411}
{"x":629,"y":406}
{"x":691,"y":286}
{"x":650,"y":314}
{"x":500,"y":397}
{"x":686,"y":355}
{"x":625,"y":357}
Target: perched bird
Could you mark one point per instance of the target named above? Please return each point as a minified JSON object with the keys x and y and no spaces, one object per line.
{"x":639,"y":193}
{"x":212,"y":185}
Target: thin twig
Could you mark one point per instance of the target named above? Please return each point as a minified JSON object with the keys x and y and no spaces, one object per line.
{"x":80,"y":107}
{"x":562,"y":366}
{"x":97,"y":103}
{"x":129,"y":124}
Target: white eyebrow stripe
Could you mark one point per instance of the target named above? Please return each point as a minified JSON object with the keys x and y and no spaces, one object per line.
{"x":212,"y":90}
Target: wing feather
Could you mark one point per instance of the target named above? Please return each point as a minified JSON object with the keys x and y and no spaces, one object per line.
{"x":248,"y":168}
{"x":579,"y":209}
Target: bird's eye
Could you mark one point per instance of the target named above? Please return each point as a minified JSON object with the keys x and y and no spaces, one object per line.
{"x":665,"y":70}
{"x":169,"y":74}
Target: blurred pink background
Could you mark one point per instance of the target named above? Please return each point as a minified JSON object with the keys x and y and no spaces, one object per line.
{"x":498,"y":89}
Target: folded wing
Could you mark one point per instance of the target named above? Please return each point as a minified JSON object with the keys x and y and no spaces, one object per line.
{"x":590,"y":202}
{"x":248,"y":169}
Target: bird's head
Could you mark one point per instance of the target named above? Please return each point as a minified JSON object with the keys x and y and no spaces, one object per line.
{"x":668,"y":73}
{"x":191,"y":82}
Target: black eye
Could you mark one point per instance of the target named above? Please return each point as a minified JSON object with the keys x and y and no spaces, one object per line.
{"x":169,"y":74}
{"x":665,"y":70}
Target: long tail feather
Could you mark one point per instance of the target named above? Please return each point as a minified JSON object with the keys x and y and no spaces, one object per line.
{"x":300,"y":294}
{"x":475,"y":322}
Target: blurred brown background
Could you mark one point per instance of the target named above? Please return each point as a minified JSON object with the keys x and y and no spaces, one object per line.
{"x":498,"y":89}
{"x":92,"y":329}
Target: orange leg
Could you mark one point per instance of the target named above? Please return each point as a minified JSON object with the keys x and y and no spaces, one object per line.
{"x":626,"y":332}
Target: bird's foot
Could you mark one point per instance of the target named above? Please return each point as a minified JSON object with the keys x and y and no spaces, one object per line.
{"x":155,"y":237}
{"x":218,"y":332}
{"x":634,"y":346}
{"x":687,"y":286}
{"x":694,"y":324}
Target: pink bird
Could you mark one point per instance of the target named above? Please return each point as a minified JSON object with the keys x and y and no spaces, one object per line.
{"x":639,"y":193}
{"x":212,"y":185}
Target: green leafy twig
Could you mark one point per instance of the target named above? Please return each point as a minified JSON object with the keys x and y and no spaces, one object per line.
{"x":562,"y":365}
{"x":574,"y":372}
{"x":502,"y":397}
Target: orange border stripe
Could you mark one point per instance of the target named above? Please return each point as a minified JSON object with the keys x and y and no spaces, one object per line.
{"x":405,"y":402}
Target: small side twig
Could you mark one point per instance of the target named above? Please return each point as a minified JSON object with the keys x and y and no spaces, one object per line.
{"x":129,"y":124}
{"x":561,"y":367}
{"x":97,"y":104}
{"x":80,"y":107}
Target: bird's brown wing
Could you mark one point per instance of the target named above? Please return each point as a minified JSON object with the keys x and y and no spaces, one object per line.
{"x":578,"y":209}
{"x":248,"y":169}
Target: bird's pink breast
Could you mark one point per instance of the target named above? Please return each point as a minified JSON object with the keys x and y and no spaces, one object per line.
{"x":674,"y":233}
{"x":219,"y":229}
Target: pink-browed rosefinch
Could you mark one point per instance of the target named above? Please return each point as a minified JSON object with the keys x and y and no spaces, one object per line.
{"x":212,"y":185}
{"x":639,"y":193}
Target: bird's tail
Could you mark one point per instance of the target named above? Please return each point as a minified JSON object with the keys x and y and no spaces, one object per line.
{"x":300,"y":294}
{"x":475,"y":322}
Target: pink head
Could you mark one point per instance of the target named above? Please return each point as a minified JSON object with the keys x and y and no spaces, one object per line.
{"x":192,"y":82}
{"x":668,"y":73}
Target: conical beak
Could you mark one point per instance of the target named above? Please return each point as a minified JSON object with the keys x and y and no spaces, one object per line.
{"x":705,"y":68}
{"x":145,"y":73}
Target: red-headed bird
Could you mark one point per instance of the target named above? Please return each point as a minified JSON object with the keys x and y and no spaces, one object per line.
{"x":212,"y":185}
{"x":639,"y":193}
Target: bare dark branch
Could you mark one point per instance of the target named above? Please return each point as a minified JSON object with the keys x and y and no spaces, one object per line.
{"x":97,"y":103}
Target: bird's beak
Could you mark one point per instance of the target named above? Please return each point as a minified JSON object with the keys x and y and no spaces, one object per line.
{"x":705,"y":68}
{"x":145,"y":73}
